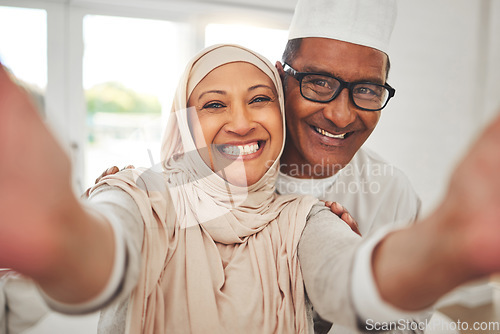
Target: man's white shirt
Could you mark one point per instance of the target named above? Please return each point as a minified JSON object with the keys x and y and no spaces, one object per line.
{"x":374,"y":192}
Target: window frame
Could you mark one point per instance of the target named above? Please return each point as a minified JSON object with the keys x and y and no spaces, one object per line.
{"x":64,"y":96}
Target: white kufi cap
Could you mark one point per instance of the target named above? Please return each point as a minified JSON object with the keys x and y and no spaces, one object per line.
{"x":363,"y":22}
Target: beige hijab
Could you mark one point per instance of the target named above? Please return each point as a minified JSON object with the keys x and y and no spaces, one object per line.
{"x":216,"y":258}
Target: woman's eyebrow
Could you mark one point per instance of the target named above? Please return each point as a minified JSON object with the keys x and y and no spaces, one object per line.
{"x":221,"y":92}
{"x":260,"y":86}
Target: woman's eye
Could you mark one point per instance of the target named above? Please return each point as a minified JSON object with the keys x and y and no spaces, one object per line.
{"x":213,"y":105}
{"x":260,"y":99}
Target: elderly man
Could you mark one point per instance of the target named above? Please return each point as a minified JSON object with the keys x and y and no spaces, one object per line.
{"x":335,"y":70}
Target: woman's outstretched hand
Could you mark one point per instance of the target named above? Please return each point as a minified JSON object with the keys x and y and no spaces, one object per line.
{"x":34,"y":181}
{"x":45,"y":233}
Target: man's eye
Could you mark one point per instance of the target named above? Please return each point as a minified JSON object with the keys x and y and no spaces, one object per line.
{"x":365,"y":91}
{"x":321,"y":83}
{"x":260,"y":99}
{"x":317,"y":82}
{"x":213,"y":105}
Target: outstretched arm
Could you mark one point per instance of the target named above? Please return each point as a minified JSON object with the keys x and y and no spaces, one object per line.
{"x":459,"y":242}
{"x":44,"y":232}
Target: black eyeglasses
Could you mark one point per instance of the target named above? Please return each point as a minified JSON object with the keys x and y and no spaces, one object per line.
{"x":323,"y":88}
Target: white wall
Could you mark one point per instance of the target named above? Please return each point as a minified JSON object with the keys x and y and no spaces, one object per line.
{"x":444,"y":57}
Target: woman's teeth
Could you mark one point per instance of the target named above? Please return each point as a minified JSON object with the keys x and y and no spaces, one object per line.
{"x":240,"y":149}
{"x":328,"y":134}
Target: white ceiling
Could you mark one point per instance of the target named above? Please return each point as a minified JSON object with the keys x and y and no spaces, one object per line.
{"x":279,"y":5}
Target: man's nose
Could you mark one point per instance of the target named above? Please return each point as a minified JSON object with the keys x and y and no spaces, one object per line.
{"x":240,"y":122}
{"x":341,"y":110}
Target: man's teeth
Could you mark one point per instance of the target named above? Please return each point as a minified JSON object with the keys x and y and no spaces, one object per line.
{"x":328,"y":134}
{"x":240,"y":149}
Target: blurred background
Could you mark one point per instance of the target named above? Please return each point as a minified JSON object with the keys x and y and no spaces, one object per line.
{"x":104,"y":73}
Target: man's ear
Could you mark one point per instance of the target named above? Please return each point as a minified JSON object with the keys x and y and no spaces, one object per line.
{"x":281,"y":71}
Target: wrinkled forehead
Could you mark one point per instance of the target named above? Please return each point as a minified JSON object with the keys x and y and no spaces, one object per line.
{"x":225,"y":55}
{"x":348,"y":61}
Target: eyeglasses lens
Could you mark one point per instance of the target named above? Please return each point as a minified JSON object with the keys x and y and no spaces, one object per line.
{"x":323,"y":88}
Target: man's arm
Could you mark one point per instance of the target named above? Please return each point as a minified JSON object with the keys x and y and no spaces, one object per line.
{"x":458,"y":242}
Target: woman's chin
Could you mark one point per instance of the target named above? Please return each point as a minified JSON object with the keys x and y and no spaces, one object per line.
{"x":239,"y":179}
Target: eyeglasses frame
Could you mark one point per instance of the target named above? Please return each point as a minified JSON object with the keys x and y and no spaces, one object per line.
{"x":343,"y":84}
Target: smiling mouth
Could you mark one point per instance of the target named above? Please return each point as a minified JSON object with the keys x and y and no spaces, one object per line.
{"x":241,"y":150}
{"x":331,"y":135}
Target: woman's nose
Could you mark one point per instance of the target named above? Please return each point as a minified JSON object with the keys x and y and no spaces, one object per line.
{"x":240,"y":122}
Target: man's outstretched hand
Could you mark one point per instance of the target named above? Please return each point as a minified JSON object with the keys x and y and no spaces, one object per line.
{"x":458,"y":242}
{"x":473,"y":202}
